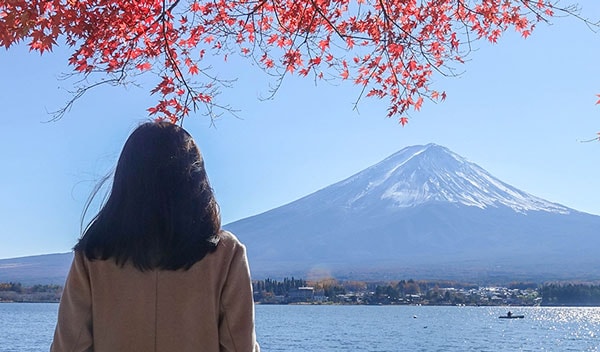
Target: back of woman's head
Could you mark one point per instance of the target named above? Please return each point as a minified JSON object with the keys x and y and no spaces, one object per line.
{"x":161,"y":212}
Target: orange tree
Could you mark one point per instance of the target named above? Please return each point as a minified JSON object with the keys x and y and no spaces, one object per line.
{"x":388,"y":48}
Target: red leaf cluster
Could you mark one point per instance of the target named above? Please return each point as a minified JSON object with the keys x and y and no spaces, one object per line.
{"x":389,"y":48}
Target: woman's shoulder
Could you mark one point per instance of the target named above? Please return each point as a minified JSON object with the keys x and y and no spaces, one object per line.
{"x":228,"y":239}
{"x":229,"y":247}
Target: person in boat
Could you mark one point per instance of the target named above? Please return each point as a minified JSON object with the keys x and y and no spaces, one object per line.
{"x":509,"y":314}
{"x":154,"y":271}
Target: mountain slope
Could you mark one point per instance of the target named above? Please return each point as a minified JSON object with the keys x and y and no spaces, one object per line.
{"x":424,"y":210}
{"x":39,"y":269}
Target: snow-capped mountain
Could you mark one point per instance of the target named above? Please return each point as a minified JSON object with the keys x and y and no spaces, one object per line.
{"x":424,"y":210}
{"x":432,"y":173}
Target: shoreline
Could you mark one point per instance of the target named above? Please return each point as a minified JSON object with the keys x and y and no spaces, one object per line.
{"x":374,"y":305}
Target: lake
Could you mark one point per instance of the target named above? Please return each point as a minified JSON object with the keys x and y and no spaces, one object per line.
{"x":29,"y":328}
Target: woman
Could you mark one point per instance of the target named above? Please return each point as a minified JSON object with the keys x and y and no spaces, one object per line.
{"x":153,"y":270}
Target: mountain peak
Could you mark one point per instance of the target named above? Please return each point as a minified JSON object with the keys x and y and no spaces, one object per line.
{"x":432,"y":173}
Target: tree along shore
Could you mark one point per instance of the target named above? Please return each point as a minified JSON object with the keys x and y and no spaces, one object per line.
{"x":423,"y":292}
{"x":15,"y":292}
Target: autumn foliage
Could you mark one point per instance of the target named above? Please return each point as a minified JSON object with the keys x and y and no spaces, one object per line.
{"x":388,"y":48}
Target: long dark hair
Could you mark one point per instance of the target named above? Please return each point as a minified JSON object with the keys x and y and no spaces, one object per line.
{"x":161,"y":212}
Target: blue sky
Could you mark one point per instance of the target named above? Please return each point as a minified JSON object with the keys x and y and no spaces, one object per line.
{"x":519,"y":110}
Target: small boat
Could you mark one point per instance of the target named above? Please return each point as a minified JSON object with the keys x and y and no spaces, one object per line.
{"x":511,"y":316}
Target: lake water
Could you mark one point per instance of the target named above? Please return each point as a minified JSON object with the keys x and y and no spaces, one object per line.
{"x":29,"y":328}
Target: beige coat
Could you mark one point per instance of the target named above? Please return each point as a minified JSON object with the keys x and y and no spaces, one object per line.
{"x":106,"y":308}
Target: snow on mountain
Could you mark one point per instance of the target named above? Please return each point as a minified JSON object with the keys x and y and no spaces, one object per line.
{"x":432,"y":173}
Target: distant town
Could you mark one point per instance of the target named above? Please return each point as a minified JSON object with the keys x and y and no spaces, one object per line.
{"x":412,"y":292}
{"x":403,"y":292}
